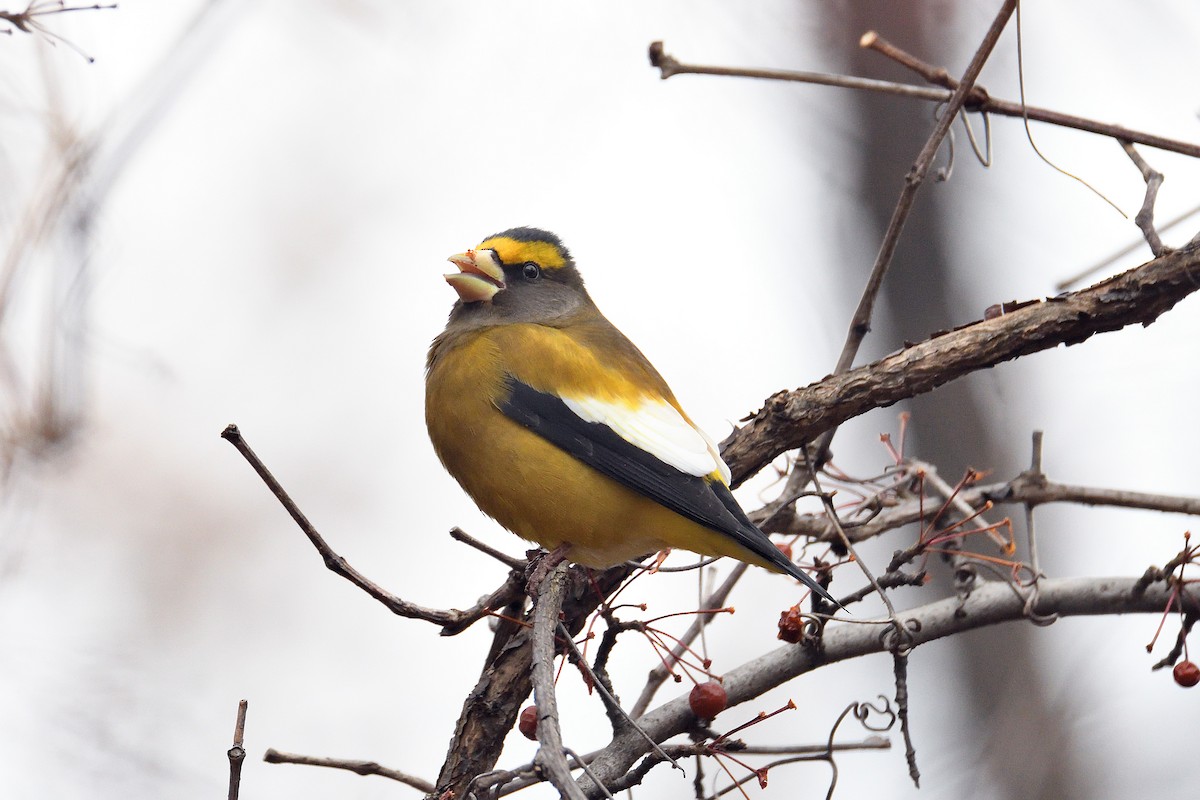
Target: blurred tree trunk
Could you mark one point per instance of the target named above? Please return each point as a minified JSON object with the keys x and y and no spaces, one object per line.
{"x":1019,"y":732}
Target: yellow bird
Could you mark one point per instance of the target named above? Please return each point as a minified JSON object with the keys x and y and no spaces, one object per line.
{"x":559,"y":428}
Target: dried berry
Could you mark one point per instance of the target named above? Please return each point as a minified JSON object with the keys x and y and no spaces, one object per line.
{"x":1186,"y":673}
{"x":527,"y":722}
{"x":707,"y":699}
{"x":791,"y":625}
{"x":786,"y":549}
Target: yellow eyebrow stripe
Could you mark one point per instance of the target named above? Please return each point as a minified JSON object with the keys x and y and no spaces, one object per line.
{"x":511,"y":251}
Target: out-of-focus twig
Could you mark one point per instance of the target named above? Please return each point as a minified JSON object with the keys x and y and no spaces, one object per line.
{"x":30,"y":20}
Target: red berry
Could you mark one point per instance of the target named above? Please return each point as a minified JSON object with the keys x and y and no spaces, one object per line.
{"x":707,"y":699}
{"x":1186,"y":673}
{"x":786,"y":549}
{"x":791,"y":625}
{"x":527,"y":722}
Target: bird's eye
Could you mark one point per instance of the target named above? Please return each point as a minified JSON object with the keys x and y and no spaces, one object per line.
{"x":531,"y":271}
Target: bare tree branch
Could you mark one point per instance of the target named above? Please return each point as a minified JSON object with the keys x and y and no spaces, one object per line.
{"x":789,"y":419}
{"x":491,"y":709}
{"x":1145,"y":216}
{"x":659,"y":674}
{"x":551,"y":758}
{"x":989,"y":604}
{"x":978,"y":101}
{"x":452,"y":620}
{"x":860,"y":323}
{"x":1035,"y":489}
{"x":1032,"y":488}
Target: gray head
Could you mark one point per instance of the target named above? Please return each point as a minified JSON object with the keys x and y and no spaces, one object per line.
{"x":520,"y":275}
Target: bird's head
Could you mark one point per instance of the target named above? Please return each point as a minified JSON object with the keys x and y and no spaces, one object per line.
{"x":522,"y":274}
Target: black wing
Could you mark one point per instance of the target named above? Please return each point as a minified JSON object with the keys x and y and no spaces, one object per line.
{"x":709,"y":503}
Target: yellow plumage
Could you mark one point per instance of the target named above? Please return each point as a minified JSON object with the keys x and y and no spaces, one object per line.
{"x":528,"y":485}
{"x":560,"y":429}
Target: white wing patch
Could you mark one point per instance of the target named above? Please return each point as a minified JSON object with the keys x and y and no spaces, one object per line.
{"x":657,"y":428}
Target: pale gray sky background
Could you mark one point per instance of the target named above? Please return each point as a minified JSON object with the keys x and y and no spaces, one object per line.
{"x":271,"y":255}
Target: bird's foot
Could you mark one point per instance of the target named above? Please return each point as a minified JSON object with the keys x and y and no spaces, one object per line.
{"x":541,"y":565}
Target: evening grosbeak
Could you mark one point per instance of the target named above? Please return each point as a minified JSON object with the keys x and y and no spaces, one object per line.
{"x":561,"y":430}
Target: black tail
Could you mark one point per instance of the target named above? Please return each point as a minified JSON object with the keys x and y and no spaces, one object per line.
{"x":777,"y":558}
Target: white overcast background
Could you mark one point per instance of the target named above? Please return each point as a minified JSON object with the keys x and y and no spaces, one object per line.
{"x":271,"y":255}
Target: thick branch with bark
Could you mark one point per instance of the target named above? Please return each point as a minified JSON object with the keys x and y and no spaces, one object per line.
{"x":790,"y":419}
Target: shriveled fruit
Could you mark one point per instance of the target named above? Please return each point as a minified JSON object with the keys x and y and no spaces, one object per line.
{"x":791,"y":625}
{"x":527,"y":722}
{"x":707,"y":699}
{"x":786,"y":549}
{"x":1186,"y":673}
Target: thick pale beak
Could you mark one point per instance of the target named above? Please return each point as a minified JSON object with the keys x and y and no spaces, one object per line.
{"x":479,"y":277}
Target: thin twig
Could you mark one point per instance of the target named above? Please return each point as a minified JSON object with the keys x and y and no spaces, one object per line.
{"x":659,"y":674}
{"x":237,"y":753}
{"x":452,"y":620}
{"x":870,"y":743}
{"x":899,"y":644}
{"x":1031,"y":600}
{"x":459,"y":535}
{"x":519,"y":778}
{"x":861,"y":322}
{"x":1035,"y":469}
{"x":669,"y":66}
{"x":611,"y":704}
{"x":831,"y":513}
{"x":980,"y":99}
{"x":28,"y":21}
{"x":586,"y":771}
{"x":274,"y":756}
{"x":1026,"y":488}
{"x":952,"y":496}
{"x":900,"y":673}
{"x":1145,"y":215}
{"x":871,"y":40}
{"x":1037,"y":490}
